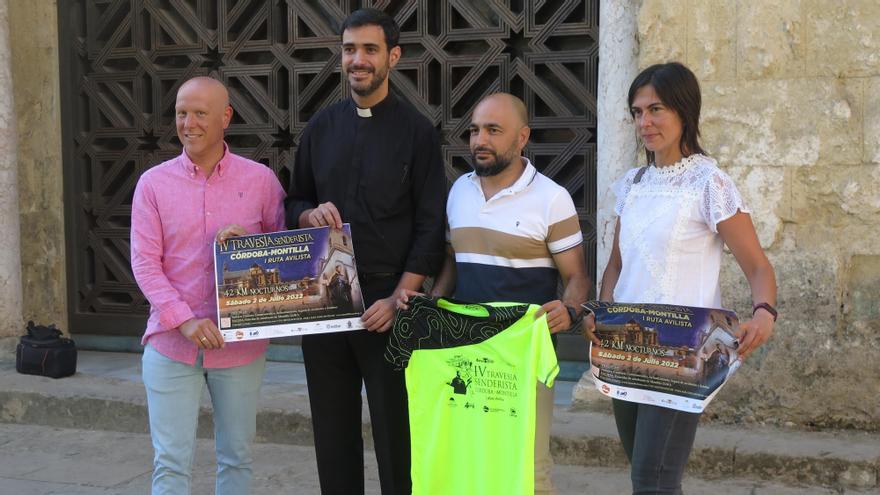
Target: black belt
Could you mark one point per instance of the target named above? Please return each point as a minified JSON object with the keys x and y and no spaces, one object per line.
{"x":376,"y":276}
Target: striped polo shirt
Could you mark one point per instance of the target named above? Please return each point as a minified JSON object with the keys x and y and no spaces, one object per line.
{"x":504,"y":247}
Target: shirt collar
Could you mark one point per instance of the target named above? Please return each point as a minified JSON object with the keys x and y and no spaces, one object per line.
{"x":525,"y":179}
{"x":379,"y":109}
{"x":192,"y":169}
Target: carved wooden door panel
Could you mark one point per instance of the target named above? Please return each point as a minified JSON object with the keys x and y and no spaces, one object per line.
{"x":123,"y":60}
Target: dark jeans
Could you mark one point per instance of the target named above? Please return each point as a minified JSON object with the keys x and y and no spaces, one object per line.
{"x":336,"y":366}
{"x":657,"y":442}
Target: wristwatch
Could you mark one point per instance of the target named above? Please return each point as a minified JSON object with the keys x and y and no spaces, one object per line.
{"x":767,"y":307}
{"x":574,"y":316}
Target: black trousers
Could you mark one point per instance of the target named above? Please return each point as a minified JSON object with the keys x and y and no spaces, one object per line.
{"x":658,"y":442}
{"x":336,"y":365}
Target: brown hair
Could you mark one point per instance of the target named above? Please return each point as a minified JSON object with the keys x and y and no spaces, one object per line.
{"x":679,"y":90}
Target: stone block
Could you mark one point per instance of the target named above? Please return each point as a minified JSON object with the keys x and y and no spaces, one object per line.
{"x":712,"y":59}
{"x":862,"y":283}
{"x":763,"y":190}
{"x":7,"y":349}
{"x":802,"y":470}
{"x":711,"y":39}
{"x":585,"y":397}
{"x":764,"y":122}
{"x":39,"y":19}
{"x":808,"y":290}
{"x":842,"y":38}
{"x":735,"y":293}
{"x":35,"y":73}
{"x":662,"y":32}
{"x":817,"y":370}
{"x":859,"y":477}
{"x":10,"y":262}
{"x":821,"y":382}
{"x":872,"y":121}
{"x":770,"y":40}
{"x":836,"y":203}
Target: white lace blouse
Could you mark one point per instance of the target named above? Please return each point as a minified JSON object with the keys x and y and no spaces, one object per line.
{"x":669,"y":241}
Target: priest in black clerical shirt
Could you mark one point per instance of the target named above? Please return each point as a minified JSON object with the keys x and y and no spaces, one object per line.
{"x":374,"y":161}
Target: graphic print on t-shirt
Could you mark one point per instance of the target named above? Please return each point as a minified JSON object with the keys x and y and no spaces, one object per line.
{"x":495,"y":387}
{"x":459,"y":386}
{"x":471,"y":371}
{"x":444,"y":324}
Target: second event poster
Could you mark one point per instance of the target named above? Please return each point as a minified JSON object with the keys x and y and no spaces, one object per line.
{"x":676,"y":357}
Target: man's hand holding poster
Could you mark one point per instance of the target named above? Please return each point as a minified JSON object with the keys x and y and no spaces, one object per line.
{"x":287,"y":283}
{"x":671,"y":356}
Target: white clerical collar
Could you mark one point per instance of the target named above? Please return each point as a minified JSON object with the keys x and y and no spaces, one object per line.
{"x":363,"y":112}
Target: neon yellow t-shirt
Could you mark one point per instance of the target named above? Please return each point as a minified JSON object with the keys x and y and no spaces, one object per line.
{"x":471,"y":376}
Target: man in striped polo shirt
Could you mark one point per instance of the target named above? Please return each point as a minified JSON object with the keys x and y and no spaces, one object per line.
{"x":513,"y":233}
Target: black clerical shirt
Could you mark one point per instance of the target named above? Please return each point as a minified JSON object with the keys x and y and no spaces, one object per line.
{"x":383,"y":169}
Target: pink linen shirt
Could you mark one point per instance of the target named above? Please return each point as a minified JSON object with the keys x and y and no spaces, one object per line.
{"x":175,"y":215}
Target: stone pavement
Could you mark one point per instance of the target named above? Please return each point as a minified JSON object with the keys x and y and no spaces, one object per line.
{"x":87,"y":434}
{"x":43,"y":460}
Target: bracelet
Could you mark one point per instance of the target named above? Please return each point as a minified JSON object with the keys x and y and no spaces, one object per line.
{"x":767,"y":307}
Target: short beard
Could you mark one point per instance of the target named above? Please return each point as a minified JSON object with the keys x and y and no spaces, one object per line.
{"x":378,"y":78}
{"x":500,"y":165}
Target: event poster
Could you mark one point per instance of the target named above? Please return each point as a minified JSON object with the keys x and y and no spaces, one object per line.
{"x":288,"y":283}
{"x":670,"y":356}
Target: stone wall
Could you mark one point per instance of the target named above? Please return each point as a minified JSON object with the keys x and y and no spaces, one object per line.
{"x":791,"y":109}
{"x":33,"y":28}
{"x":10,"y":269}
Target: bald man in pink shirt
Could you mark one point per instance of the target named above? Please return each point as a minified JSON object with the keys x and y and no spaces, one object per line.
{"x":179,"y":208}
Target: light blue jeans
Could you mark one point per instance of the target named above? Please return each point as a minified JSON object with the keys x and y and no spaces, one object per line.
{"x":174,"y":391}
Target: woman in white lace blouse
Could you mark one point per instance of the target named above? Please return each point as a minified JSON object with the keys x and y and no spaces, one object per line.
{"x":674,"y":216}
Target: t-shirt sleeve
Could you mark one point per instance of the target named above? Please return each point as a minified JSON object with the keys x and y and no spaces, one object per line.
{"x":621,"y":188}
{"x":721,"y":200}
{"x":546,"y":365}
{"x":564,"y":230}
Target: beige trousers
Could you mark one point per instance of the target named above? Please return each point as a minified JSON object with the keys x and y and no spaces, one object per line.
{"x":543,"y":424}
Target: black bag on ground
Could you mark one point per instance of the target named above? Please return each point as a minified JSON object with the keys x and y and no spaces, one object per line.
{"x":43,"y":351}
